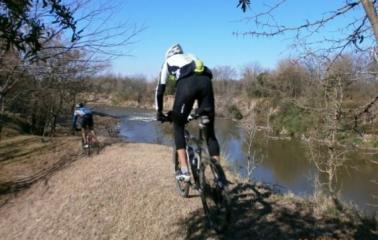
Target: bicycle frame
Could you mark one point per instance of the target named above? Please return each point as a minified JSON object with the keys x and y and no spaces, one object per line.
{"x":217,"y":195}
{"x":195,"y":142}
{"x":88,"y":136}
{"x":90,"y":141}
{"x":214,"y":197}
{"x":195,"y":145}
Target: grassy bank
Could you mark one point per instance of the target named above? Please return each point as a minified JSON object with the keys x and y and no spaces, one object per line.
{"x":26,"y":158}
{"x":116,"y":194}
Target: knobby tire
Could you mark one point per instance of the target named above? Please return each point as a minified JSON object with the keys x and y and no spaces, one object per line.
{"x":215,"y":199}
{"x":181,"y":186}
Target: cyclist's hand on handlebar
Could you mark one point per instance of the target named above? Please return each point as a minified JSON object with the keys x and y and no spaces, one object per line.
{"x":74,"y":130}
{"x":160,"y":117}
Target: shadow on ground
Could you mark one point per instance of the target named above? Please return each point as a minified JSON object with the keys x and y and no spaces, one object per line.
{"x":259,"y":214}
{"x":65,"y":159}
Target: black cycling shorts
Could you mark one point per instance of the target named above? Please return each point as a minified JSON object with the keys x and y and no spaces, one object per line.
{"x":191,"y":88}
{"x":188,"y":90}
{"x":87,"y":121}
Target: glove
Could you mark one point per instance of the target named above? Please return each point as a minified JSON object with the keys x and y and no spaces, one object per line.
{"x":160,"y":117}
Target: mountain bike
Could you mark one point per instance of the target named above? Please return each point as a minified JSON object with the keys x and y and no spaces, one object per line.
{"x":92,"y":145}
{"x":207,"y":176}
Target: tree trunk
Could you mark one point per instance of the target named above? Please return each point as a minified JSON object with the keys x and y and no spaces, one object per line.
{"x":2,"y":103}
{"x":372,"y":15}
{"x":1,"y":125}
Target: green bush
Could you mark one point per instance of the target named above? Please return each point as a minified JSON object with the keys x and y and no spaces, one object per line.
{"x":291,"y":118}
{"x":235,"y":112}
{"x":357,"y":141}
{"x":375,"y":143}
{"x":15,"y":122}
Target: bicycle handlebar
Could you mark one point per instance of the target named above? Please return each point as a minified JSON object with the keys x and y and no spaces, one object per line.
{"x":204,"y":119}
{"x":166,"y":118}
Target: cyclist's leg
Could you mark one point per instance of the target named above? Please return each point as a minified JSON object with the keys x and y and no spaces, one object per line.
{"x":184,"y":99}
{"x":179,"y":135}
{"x":83,"y":131}
{"x":86,"y":136}
{"x":206,"y":104}
{"x":83,"y":138}
{"x":212,"y":142}
{"x":91,"y":128}
{"x":87,"y":124}
{"x":94,"y":136}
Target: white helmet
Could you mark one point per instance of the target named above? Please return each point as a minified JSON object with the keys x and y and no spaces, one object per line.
{"x":79,"y":105}
{"x":175,"y":49}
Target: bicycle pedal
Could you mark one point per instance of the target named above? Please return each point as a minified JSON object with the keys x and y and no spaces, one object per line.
{"x":197,"y":188}
{"x":183,"y":178}
{"x":220,"y":184}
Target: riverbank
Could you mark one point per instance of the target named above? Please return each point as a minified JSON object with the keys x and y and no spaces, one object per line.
{"x":128,"y":192}
{"x":73,"y":196}
{"x":277,"y":161}
{"x":26,"y":159}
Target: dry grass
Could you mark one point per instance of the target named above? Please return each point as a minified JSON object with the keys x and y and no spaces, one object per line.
{"x":128,"y":192}
{"x":25,"y":155}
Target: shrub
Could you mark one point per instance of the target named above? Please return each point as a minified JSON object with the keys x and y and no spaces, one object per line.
{"x":235,"y":112}
{"x":292,"y":118}
{"x":375,"y":143}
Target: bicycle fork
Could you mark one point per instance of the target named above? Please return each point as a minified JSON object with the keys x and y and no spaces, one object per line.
{"x":194,"y":161}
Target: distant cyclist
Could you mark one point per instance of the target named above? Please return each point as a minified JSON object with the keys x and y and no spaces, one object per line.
{"x":86,"y":115}
{"x":193,"y":82}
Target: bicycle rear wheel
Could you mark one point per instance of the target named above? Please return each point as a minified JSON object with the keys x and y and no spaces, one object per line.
{"x":181,"y":186}
{"x":86,"y":146}
{"x":215,"y":199}
{"x":97,"y":147}
{"x":88,"y":150}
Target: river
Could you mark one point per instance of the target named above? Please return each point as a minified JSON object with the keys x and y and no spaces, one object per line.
{"x":284,"y":163}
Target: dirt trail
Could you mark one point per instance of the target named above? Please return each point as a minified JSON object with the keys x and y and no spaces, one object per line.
{"x":128,"y":192}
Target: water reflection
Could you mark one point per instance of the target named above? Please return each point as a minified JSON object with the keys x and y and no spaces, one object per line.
{"x":284,"y":161}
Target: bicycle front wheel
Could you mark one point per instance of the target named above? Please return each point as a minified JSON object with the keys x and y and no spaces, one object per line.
{"x":95,"y":146}
{"x":181,"y":186}
{"x":88,"y":150}
{"x":215,"y":199}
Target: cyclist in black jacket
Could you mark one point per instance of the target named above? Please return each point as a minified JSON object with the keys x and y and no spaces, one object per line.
{"x":193,"y":82}
{"x":86,"y":116}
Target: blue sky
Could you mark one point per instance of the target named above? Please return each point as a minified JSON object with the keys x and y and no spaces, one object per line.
{"x":205,"y":29}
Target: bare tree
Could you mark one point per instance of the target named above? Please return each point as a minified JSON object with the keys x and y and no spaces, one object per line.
{"x":334,"y":74}
{"x":25,"y":29}
{"x":371,"y":13}
{"x":98,"y":38}
{"x":253,"y":160}
{"x":291,"y":78}
{"x":132,"y":89}
{"x":249,"y":76}
{"x":10,"y":72}
{"x":223,"y":77}
{"x":358,"y":33}
{"x":334,"y":156}
{"x":333,"y":138}
{"x":355,"y":32}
